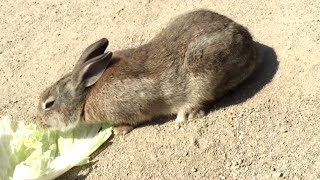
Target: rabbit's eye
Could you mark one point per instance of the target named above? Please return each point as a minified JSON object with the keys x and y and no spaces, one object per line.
{"x":49,"y":103}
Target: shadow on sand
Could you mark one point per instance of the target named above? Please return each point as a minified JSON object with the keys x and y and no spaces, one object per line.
{"x":266,"y":69}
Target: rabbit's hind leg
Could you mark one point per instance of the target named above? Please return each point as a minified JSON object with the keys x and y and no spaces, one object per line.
{"x":190,"y":111}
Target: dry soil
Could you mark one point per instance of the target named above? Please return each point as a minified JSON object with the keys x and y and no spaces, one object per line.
{"x":266,"y":129}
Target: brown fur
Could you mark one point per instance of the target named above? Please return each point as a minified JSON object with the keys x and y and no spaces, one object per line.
{"x":197,"y":58}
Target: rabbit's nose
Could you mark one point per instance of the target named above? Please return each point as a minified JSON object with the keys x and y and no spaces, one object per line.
{"x":39,"y":122}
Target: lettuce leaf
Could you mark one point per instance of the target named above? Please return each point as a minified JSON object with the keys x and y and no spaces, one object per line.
{"x":29,"y":153}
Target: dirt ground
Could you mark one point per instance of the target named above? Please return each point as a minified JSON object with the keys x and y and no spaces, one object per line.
{"x":268,"y":128}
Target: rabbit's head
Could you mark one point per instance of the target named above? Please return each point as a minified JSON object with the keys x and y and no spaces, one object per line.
{"x":61,"y":105}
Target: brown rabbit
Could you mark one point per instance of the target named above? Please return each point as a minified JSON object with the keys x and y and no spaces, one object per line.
{"x":196,"y":59}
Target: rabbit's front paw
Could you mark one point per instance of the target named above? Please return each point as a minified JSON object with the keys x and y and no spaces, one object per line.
{"x":122,"y":130}
{"x":189,"y":113}
{"x":196,"y":113}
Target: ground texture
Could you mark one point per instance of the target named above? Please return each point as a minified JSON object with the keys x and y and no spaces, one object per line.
{"x":266,"y":129}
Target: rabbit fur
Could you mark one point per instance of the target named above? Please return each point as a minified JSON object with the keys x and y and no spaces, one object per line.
{"x":196,"y":59}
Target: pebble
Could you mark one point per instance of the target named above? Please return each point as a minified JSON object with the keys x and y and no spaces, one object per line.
{"x":157,"y":127}
{"x":204,"y":169}
{"x":196,"y":143}
{"x":279,"y":174}
{"x":194,"y":169}
{"x":246,"y":168}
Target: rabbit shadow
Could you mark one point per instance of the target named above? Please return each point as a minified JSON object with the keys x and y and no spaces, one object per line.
{"x":267,"y":67}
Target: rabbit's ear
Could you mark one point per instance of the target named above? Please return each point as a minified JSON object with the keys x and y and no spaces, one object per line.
{"x":92,"y":51}
{"x":89,"y":73}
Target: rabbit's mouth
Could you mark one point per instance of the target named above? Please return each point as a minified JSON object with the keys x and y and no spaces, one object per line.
{"x":70,"y":126}
{"x":56,"y":121}
{"x":39,"y":123}
{"x":60,"y":127}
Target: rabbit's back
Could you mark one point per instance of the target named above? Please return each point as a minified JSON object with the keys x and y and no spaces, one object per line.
{"x":196,"y":59}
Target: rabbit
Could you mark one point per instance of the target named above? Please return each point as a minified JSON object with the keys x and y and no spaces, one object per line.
{"x":196,"y":59}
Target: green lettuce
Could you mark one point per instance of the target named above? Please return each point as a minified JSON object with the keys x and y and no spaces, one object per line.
{"x":29,"y":153}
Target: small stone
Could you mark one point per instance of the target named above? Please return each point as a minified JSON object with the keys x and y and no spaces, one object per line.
{"x":222,"y":177}
{"x":196,"y":143}
{"x":289,"y":47}
{"x":194,"y":169}
{"x":279,"y":174}
{"x":157,"y":127}
{"x":204,"y":169}
{"x":246,"y":168}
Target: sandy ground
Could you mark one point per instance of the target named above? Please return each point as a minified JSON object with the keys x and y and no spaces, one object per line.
{"x":266,"y":129}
